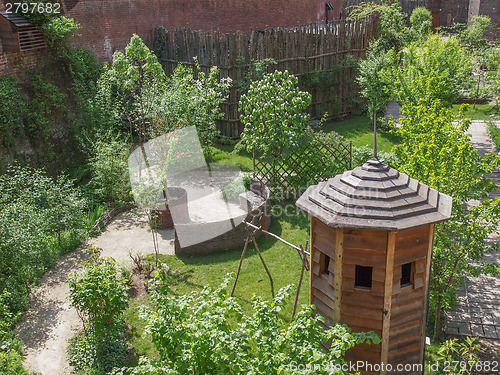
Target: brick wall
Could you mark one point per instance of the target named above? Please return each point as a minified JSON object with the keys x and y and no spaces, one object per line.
{"x":108,"y":25}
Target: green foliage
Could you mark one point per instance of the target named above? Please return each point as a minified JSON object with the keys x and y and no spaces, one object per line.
{"x":436,"y":150}
{"x":494,"y":132}
{"x":393,"y":33}
{"x":58,"y":29}
{"x":462,"y":355}
{"x":92,"y":356}
{"x":131,"y":86}
{"x":47,"y":99}
{"x":361,"y":154}
{"x":232,"y":190}
{"x":273,"y":113}
{"x":12,"y":107}
{"x":11,"y":363}
{"x":325,"y":79}
{"x":433,"y":69}
{"x":256,"y":72}
{"x":99,"y":293}
{"x":421,"y":23}
{"x":40,"y":218}
{"x":472,"y":36}
{"x":207,"y":332}
{"x":186,"y":100}
{"x":109,"y":169}
{"x":374,"y":82}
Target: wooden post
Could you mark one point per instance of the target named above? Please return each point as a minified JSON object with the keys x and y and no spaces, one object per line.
{"x":386,"y":313}
{"x":426,"y":294}
{"x":337,"y":292}
{"x":311,"y":260}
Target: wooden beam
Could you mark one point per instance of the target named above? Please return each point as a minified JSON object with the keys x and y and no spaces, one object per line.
{"x":337,"y":292}
{"x":426,"y":295}
{"x":386,"y":313}
{"x":311,"y":261}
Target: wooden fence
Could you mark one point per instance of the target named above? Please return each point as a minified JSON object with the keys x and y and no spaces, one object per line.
{"x":316,"y":53}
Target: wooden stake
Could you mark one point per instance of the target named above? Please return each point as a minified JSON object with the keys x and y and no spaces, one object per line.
{"x":305,"y":266}
{"x":241,"y":261}
{"x":264,"y":263}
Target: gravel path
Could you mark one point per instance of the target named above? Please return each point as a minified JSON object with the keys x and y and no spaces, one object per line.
{"x":50,"y":321}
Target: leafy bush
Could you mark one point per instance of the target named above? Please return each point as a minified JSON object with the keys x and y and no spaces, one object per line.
{"x":12,"y":108}
{"x":40,"y":218}
{"x":187,"y":100}
{"x":100,"y":295}
{"x":109,"y":169}
{"x":421,"y":22}
{"x":434,"y":69}
{"x":232,"y":190}
{"x":273,"y":113}
{"x":361,"y":155}
{"x":207,"y":332}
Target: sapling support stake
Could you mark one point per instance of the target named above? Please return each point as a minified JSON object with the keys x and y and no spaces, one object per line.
{"x":303,"y":254}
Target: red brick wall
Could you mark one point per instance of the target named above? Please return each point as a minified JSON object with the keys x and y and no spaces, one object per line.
{"x":108,"y":25}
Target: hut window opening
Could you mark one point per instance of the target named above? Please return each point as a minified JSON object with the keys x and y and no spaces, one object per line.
{"x":326,"y":264}
{"x":363,"y":277}
{"x":407,"y":274}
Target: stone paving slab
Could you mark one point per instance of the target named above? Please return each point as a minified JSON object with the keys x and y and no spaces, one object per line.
{"x":478,"y":306}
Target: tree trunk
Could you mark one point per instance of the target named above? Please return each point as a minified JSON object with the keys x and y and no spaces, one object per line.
{"x":437,"y":323}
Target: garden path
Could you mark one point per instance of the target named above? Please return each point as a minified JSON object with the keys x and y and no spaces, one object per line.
{"x":478,"y":309}
{"x":50,"y":321}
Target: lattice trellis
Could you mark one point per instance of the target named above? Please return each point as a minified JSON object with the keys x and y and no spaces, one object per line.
{"x":288,"y":171}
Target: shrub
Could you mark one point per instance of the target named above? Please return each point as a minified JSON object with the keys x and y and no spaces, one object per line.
{"x":12,"y":107}
{"x":109,"y":169}
{"x":421,"y":22}
{"x":273,"y":113}
{"x":232,"y":190}
{"x":100,"y":295}
{"x":207,"y":332}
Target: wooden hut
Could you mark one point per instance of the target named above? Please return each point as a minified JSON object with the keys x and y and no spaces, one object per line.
{"x":18,"y":34}
{"x":372,"y":231}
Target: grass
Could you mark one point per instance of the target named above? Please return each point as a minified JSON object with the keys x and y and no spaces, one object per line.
{"x":495,"y":134}
{"x":360,"y":131}
{"x":477,"y":112}
{"x":192,"y":272}
{"x":225,"y":154}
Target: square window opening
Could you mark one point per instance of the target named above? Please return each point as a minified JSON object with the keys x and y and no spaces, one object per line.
{"x":363,"y":277}
{"x":407,"y":274}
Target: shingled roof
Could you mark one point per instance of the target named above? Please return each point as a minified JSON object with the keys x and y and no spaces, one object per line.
{"x":375,"y":196}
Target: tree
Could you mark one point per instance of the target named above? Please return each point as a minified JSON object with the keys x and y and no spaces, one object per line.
{"x":132,"y":86}
{"x":187,"y":100}
{"x":374,"y":84}
{"x":393,"y":33}
{"x":436,"y":150}
{"x":207,"y":332}
{"x":421,"y":23}
{"x":433,"y":69}
{"x":273,"y":113}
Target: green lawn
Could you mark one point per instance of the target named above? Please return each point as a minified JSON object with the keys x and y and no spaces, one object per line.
{"x":477,"y":112}
{"x":360,"y":131}
{"x":193,"y":272}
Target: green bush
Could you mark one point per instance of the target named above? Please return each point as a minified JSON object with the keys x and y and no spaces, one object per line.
{"x":421,"y":22}
{"x":12,"y":111}
{"x":207,"y":332}
{"x":100,"y":295}
{"x":109,"y":169}
{"x":232,"y":190}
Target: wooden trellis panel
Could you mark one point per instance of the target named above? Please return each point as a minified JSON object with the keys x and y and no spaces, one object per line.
{"x":291,"y":171}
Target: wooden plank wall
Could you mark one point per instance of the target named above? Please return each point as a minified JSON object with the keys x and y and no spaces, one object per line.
{"x":362,"y":309}
{"x":322,"y":286}
{"x":299,"y":50}
{"x":408,"y":302}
